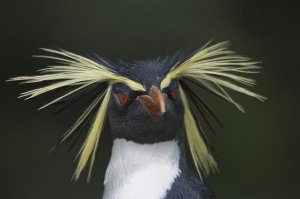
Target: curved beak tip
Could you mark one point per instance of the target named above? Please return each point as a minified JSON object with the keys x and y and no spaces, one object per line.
{"x":155,"y":102}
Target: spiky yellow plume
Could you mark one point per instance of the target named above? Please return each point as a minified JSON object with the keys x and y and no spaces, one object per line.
{"x":90,"y":145}
{"x":74,"y":70}
{"x":202,"y":158}
{"x":77,"y":72}
{"x":216,"y":68}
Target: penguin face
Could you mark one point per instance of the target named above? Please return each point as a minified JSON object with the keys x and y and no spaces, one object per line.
{"x":146,"y":117}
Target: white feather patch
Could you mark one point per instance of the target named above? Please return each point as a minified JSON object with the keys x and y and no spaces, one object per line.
{"x":138,"y":171}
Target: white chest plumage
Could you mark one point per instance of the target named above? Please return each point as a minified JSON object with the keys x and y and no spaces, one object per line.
{"x":138,"y":171}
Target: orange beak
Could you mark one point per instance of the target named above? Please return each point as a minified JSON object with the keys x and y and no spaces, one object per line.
{"x":155,"y":102}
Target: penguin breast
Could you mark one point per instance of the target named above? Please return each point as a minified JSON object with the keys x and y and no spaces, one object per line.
{"x":138,"y":171}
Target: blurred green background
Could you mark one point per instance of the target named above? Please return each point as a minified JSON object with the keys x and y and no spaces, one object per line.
{"x":258,"y":152}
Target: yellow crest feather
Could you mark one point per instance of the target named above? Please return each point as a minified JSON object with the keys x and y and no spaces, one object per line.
{"x":90,"y":145}
{"x":78,"y":72}
{"x":74,"y":70}
{"x":203,"y":160}
{"x":216,"y":68}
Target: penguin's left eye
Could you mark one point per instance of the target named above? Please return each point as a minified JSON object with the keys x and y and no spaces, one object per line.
{"x":174,"y":93}
{"x":123,"y":99}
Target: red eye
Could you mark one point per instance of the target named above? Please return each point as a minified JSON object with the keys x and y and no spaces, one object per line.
{"x":123,"y":99}
{"x":174,"y":93}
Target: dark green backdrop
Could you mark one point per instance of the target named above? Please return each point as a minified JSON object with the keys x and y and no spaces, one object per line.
{"x":257,"y":152}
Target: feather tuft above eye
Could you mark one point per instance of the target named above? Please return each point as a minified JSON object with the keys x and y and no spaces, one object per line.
{"x":214,"y":68}
{"x":78,"y":73}
{"x":217,"y":68}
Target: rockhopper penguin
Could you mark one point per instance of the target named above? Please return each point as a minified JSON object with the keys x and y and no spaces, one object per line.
{"x":155,"y":113}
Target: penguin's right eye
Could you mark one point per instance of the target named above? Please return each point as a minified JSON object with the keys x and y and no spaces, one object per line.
{"x":174,"y":93}
{"x":123,"y":99}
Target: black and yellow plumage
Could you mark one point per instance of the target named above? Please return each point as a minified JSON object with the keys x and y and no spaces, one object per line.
{"x":214,"y":68}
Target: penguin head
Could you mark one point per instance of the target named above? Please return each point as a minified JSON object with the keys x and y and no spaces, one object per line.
{"x":150,"y":116}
